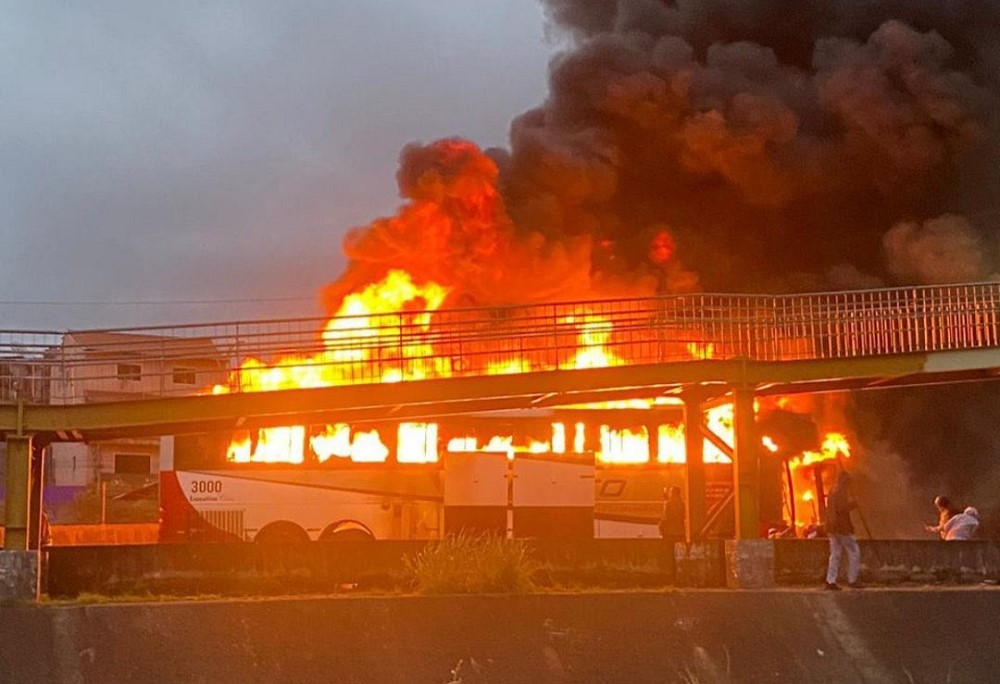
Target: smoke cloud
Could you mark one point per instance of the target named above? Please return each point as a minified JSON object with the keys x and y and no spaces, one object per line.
{"x":726,"y":145}
{"x":822,"y":144}
{"x":946,"y":249}
{"x":454,"y":230}
{"x":777,"y":142}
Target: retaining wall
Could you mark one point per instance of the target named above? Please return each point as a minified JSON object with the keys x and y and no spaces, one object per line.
{"x":704,"y":636}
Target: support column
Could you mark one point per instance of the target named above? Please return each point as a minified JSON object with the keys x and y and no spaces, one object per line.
{"x":18,"y":488}
{"x":746,"y":465}
{"x":694,"y":465}
{"x":19,"y":567}
{"x":749,"y":559}
{"x":36,"y":479}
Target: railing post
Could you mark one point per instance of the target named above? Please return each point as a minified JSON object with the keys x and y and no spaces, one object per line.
{"x":239,"y":360}
{"x":555,"y":338}
{"x":64,"y":373}
{"x":163,"y":367}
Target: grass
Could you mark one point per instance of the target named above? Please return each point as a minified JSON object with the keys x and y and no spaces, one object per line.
{"x":472,"y":564}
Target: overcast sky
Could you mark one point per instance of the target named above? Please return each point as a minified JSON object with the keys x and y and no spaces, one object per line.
{"x":219,"y":150}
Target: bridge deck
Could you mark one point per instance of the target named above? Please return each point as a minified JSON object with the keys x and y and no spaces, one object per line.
{"x":158,"y":379}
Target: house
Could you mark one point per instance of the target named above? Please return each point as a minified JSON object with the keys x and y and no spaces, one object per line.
{"x":103,"y":366}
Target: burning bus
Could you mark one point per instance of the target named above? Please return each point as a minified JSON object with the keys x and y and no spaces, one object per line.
{"x":579,"y":470}
{"x":543,"y":473}
{"x":571,"y":472}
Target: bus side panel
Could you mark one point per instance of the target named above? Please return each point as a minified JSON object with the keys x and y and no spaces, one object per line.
{"x":630,"y":498}
{"x":180,"y":520}
{"x":206,"y":498}
{"x":475,"y":493}
{"x":387,"y":503}
{"x":553,"y":497}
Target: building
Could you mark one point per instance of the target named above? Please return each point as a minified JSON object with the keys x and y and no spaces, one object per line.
{"x":98,"y":366}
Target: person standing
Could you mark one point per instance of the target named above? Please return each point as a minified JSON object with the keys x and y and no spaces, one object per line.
{"x":672,"y":520}
{"x":840,"y":530}
{"x":672,"y":529}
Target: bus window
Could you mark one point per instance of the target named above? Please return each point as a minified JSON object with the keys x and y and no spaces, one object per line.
{"x":418,"y":443}
{"x":339,"y":441}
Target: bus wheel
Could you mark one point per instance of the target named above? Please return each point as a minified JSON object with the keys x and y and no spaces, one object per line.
{"x":281,"y":532}
{"x":346,"y":532}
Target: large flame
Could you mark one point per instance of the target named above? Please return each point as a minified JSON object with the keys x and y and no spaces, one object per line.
{"x":388,"y":326}
{"x":834,"y":448}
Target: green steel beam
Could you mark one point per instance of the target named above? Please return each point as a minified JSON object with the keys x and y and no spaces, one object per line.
{"x":426,"y":396}
{"x":18,"y":487}
{"x":457,"y":395}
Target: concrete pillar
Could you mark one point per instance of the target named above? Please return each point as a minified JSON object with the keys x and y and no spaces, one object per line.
{"x":19,"y":576}
{"x":749,"y":563}
{"x":18,"y":488}
{"x":746,"y":465}
{"x":694,"y":465}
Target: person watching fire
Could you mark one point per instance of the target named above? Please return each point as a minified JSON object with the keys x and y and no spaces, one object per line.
{"x":946,"y":511}
{"x":672,"y":520}
{"x":962,"y":526}
{"x":840,"y":531}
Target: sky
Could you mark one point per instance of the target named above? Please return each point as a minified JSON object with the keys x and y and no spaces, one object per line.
{"x":189,"y":152}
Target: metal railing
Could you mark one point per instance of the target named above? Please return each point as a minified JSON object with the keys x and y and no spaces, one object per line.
{"x":137,"y":363}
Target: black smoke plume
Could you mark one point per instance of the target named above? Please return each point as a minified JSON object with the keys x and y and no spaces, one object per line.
{"x":733,"y":145}
{"x":778,"y":142}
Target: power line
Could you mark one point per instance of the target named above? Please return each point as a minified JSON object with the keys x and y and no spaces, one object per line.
{"x":152,"y":302}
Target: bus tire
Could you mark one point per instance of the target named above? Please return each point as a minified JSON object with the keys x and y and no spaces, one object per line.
{"x":281,"y":532}
{"x":347,"y":531}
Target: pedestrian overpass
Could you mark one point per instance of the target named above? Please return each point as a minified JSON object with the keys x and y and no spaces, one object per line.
{"x":88,"y":385}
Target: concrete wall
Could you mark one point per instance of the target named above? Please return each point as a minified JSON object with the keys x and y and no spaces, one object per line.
{"x":887,"y":636}
{"x":72,"y":464}
{"x":242,"y":569}
{"x":892,"y":561}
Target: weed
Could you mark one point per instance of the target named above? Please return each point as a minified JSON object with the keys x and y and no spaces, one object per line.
{"x":472,"y":564}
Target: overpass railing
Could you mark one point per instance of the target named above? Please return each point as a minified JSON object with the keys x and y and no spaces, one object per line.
{"x":136,"y":363}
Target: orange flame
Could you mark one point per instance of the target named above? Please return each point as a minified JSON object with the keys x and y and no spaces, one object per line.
{"x":367,"y":327}
{"x":834,"y":445}
{"x":701,"y":351}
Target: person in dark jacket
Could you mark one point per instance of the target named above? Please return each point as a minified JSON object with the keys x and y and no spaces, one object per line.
{"x":840,"y":530}
{"x":672,"y":520}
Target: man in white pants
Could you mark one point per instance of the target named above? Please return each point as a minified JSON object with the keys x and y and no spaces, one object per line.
{"x":840,"y":530}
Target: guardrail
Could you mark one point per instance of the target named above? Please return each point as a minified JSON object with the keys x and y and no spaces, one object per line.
{"x":137,"y":363}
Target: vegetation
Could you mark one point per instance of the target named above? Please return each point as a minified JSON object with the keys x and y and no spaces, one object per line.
{"x":472,"y":564}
